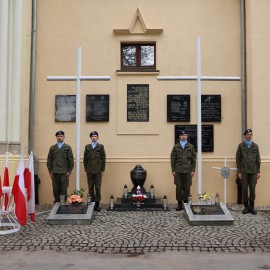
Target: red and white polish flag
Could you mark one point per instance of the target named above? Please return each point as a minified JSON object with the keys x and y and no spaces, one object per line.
{"x":6,"y":181}
{"x":29,"y":182}
{"x":18,"y":191}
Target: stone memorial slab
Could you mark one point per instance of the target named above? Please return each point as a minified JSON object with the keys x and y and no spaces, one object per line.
{"x":204,"y":215}
{"x":207,"y":136}
{"x":65,"y":108}
{"x":97,"y":108}
{"x":81,"y":214}
{"x":211,"y":108}
{"x":122,"y":204}
{"x":138,"y":103}
{"x":178,"y":108}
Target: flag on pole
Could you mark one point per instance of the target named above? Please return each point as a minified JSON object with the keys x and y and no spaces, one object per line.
{"x":18,"y":191}
{"x":6,"y":182}
{"x":1,"y":191}
{"x":29,"y":182}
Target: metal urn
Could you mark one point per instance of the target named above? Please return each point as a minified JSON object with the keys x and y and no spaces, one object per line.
{"x":138,"y":177}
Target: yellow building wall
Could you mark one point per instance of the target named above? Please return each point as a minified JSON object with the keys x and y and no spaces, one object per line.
{"x":63,"y":25}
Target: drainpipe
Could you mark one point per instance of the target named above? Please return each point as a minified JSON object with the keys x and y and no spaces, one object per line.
{"x":243,"y":66}
{"x":32,"y":77}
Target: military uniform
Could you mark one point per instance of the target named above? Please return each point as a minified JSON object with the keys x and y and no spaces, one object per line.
{"x":183,"y":162}
{"x":59,"y":163}
{"x":248,"y":163}
{"x":94,"y":161}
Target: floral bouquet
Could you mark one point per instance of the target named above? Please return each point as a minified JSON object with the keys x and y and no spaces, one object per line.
{"x":140,"y":198}
{"x":76,"y":196}
{"x":205,"y":197}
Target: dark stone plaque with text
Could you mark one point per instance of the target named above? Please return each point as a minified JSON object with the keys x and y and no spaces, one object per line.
{"x":138,"y":102}
{"x":65,"y":108}
{"x":207,"y":136}
{"x":211,"y":108}
{"x":178,"y":108}
{"x":97,"y":108}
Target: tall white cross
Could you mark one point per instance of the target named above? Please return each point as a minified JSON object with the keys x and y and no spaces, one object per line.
{"x":225,"y":173}
{"x":198,"y":78}
{"x":78,"y":78}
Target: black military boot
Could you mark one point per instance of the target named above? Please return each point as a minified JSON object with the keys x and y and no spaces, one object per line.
{"x":97,"y":208}
{"x":252,"y":210}
{"x":246,"y":210}
{"x":179,"y":207}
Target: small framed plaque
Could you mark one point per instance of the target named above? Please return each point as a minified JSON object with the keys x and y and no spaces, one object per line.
{"x":211,"y":108}
{"x":65,"y":108}
{"x":97,"y":108}
{"x":207,"y":136}
{"x":178,"y":108}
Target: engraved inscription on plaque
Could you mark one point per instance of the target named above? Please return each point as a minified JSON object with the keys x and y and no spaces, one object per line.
{"x":207,"y":136}
{"x":138,"y":102}
{"x":211,"y":108}
{"x":178,"y":108}
{"x":65,"y":108}
{"x":97,"y":108}
{"x":72,"y":209}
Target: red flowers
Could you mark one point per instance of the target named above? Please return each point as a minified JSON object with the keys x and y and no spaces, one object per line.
{"x":138,"y":198}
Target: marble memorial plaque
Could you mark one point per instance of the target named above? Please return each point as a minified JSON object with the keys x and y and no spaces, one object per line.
{"x":97,"y":108}
{"x":65,"y":108}
{"x":207,"y":136}
{"x":138,"y":103}
{"x":178,"y":108}
{"x":211,"y":108}
{"x":72,"y":209}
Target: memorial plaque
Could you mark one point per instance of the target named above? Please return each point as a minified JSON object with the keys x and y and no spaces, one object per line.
{"x":207,"y":136}
{"x":72,"y":209}
{"x":138,"y":102}
{"x":211,"y":108}
{"x":97,"y":108}
{"x":65,"y":108}
{"x":207,"y":210}
{"x":178,"y":108}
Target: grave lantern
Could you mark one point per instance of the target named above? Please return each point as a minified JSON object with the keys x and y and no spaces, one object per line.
{"x":138,"y":190}
{"x":217,"y":199}
{"x":125,"y":191}
{"x":89,"y":198}
{"x":165,"y":202}
{"x":111,"y":202}
{"x":152,"y":192}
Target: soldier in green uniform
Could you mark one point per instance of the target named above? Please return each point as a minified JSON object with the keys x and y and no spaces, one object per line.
{"x":60,"y":163}
{"x":94,"y":161}
{"x":248,"y":163}
{"x":183,"y":163}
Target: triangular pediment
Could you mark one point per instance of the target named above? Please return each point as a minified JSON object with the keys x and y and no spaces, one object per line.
{"x":138,"y":27}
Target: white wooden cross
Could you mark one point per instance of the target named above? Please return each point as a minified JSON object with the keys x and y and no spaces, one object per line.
{"x":78,"y":78}
{"x":225,"y":173}
{"x":198,"y":78}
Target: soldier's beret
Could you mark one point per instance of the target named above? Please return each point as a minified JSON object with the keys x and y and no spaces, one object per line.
{"x":93,"y":133}
{"x":182,"y":132}
{"x":59,"y":133}
{"x":247,"y":131}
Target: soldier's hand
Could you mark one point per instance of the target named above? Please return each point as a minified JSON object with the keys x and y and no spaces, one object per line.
{"x":239,"y":175}
{"x":51,"y":175}
{"x":258,"y":175}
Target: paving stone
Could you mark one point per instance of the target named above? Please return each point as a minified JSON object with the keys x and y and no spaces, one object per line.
{"x":131,"y":232}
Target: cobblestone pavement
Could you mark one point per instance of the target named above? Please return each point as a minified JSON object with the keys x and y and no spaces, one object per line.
{"x":137,"y":233}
